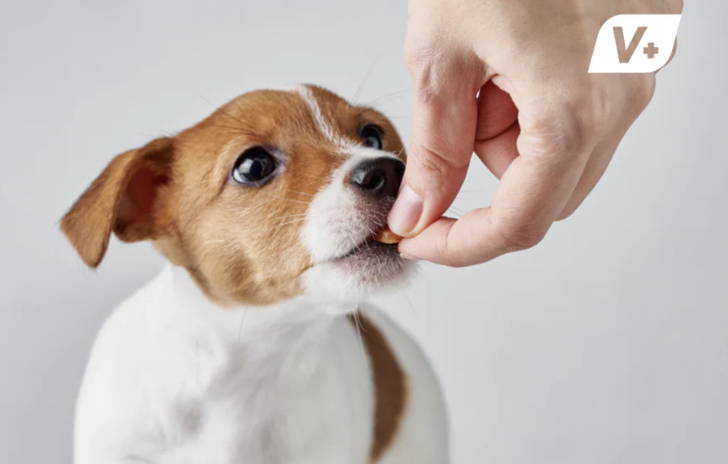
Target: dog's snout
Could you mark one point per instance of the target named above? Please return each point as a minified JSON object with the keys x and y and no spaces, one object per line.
{"x":378,"y":178}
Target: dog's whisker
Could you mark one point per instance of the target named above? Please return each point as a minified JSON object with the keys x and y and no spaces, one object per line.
{"x":292,"y":200}
{"x":359,"y":329}
{"x":234,"y":129}
{"x":365,"y":78}
{"x":302,"y":193}
{"x":286,"y":216}
{"x":378,"y":99}
{"x":288,"y":223}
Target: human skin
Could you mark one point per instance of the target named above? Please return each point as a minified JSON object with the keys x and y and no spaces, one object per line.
{"x":508,"y":81}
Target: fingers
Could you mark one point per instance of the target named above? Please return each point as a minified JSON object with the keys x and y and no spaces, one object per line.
{"x":527,"y":202}
{"x":497,"y":129}
{"x":443,"y":130}
{"x":496,"y":112}
{"x":499,"y":152}
{"x":533,"y":191}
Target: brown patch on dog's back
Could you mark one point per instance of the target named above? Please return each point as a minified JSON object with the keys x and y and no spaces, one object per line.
{"x":389,"y":382}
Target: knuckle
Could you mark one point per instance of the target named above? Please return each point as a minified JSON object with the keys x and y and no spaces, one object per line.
{"x":566,"y":213}
{"x":416,"y":57}
{"x":421,"y":52}
{"x":448,"y":256}
{"x":598,"y":106}
{"x":550,"y":134}
{"x":426,"y":74}
{"x":641,"y":92}
{"x":520,"y":238}
{"x":440,"y":68}
{"x":574,"y":123}
{"x":442,"y":250}
{"x":591,"y":106}
{"x":433,"y":161}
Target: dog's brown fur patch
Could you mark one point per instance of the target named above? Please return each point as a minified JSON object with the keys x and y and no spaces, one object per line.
{"x":390,"y":386}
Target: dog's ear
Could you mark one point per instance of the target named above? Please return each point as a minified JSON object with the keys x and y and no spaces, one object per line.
{"x":122,"y":198}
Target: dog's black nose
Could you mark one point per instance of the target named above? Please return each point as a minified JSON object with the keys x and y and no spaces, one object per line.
{"x":378,"y":177}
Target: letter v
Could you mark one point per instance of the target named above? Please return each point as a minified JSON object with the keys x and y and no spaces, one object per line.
{"x":625,"y":54}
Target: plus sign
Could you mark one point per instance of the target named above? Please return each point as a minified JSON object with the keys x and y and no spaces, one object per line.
{"x":650,"y":50}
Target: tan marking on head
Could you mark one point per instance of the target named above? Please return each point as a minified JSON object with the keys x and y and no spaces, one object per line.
{"x":242,"y":244}
{"x":345,"y":121}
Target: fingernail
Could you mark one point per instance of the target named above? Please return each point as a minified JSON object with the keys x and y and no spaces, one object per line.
{"x":406,"y":212}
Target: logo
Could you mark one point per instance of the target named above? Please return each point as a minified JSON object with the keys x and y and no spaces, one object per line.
{"x":634,"y":43}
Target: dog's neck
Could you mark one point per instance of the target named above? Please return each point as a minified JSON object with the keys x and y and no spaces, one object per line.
{"x":241,"y":326}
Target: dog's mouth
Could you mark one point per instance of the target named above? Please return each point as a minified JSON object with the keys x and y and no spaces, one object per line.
{"x":381,"y":241}
{"x":369,"y":247}
{"x":372,"y":261}
{"x":356,"y":241}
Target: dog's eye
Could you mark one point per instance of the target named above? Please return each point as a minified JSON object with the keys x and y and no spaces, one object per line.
{"x":254,"y":166}
{"x":372,"y":136}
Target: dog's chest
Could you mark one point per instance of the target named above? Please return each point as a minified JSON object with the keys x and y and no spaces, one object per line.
{"x":307,"y":397}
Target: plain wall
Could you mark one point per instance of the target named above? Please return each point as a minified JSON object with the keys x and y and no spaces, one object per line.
{"x":608,"y":343}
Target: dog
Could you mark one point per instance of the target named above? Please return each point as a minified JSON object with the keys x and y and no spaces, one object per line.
{"x":255,"y":344}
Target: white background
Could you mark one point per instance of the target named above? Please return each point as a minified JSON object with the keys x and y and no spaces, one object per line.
{"x":608,"y":343}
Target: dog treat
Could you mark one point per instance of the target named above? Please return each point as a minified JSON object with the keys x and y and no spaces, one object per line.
{"x":387,"y":236}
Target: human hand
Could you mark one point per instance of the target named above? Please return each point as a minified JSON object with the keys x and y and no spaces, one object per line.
{"x":540,"y":123}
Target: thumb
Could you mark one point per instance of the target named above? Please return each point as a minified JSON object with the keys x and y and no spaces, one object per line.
{"x":443,"y":133}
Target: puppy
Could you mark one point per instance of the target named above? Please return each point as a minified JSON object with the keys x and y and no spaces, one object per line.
{"x":253,"y":345}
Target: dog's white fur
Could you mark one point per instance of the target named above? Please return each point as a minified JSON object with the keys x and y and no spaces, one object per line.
{"x":175,"y":379}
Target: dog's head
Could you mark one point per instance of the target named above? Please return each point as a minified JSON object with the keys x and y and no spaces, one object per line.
{"x":274,"y":195}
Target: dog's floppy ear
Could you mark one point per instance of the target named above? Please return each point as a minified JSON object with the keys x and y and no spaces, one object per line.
{"x":122,"y":198}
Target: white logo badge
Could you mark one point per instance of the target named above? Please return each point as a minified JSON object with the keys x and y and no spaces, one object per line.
{"x":634,"y":43}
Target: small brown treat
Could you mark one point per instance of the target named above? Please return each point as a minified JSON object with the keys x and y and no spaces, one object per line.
{"x":387,"y":236}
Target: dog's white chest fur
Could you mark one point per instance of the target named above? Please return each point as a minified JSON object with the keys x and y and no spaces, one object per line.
{"x":174,"y":379}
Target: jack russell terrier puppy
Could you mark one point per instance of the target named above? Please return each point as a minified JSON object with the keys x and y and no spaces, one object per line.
{"x":254,"y":346}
